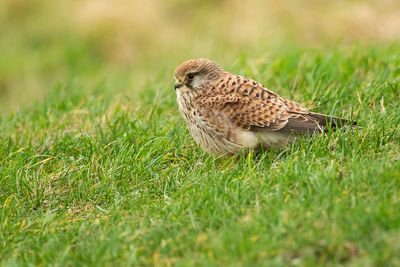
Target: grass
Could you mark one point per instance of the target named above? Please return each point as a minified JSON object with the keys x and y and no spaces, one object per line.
{"x":89,"y":176}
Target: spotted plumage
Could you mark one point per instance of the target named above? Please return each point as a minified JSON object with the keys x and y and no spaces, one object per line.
{"x":226,"y":113}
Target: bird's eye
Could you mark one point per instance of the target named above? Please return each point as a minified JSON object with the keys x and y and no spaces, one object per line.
{"x":190,"y":76}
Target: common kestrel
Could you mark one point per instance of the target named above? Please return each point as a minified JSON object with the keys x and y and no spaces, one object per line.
{"x":226,"y":113}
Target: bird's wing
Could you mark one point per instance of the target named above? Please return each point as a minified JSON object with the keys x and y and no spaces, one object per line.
{"x":249,"y":105}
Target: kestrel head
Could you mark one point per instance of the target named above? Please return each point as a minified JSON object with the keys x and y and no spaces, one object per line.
{"x":196,"y":73}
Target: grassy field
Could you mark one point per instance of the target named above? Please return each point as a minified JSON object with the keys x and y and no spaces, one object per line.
{"x":98,"y":168}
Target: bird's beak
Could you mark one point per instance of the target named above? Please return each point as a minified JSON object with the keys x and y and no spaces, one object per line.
{"x":178,"y":85}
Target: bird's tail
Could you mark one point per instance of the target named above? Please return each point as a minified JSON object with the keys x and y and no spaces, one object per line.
{"x":334,"y":122}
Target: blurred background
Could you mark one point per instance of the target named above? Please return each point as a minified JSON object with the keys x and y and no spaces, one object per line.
{"x":127,"y":43}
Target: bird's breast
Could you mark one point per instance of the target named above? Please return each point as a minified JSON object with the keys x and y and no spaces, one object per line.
{"x":185,"y":102}
{"x":212,"y":131}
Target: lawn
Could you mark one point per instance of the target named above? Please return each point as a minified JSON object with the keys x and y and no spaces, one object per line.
{"x":97,"y":167}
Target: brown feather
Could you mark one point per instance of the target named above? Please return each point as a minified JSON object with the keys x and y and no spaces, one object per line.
{"x":227,"y":112}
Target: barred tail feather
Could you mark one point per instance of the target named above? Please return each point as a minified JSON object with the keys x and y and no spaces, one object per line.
{"x":314,"y":122}
{"x":334,"y":122}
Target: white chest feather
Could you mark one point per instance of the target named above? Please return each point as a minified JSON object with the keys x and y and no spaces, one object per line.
{"x":210,"y":137}
{"x":217,"y":134}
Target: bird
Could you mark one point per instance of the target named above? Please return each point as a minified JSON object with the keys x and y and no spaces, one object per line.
{"x":227,"y":113}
